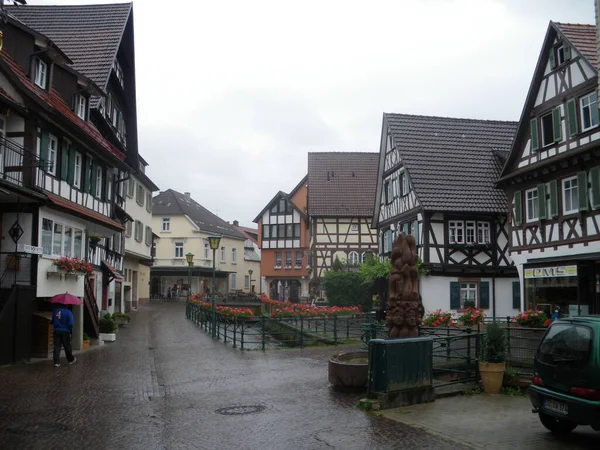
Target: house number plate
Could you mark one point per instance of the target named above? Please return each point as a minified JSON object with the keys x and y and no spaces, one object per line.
{"x":556,"y":407}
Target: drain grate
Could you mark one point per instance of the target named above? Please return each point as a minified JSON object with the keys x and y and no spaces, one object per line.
{"x":37,"y":428}
{"x":241,"y":410}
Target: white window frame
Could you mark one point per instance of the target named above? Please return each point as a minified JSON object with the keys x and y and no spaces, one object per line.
{"x":65,"y":250}
{"x":573,"y":197}
{"x":52,"y":152}
{"x":81,"y":106}
{"x":77,"y":170}
{"x":166,"y":225}
{"x":277,"y":259}
{"x":233,"y":256}
{"x":99,"y":181}
{"x":206,"y":251}
{"x":468,"y":291}
{"x":353,"y":258}
{"x":483,"y":232}
{"x":246,"y":281}
{"x":587,"y":102}
{"x":470,"y":232}
{"x":223,"y":255}
{"x":542,"y":128}
{"x":179,"y":250}
{"x":41,"y":73}
{"x":354,"y":227}
{"x":405,"y":184}
{"x":233,"y":281}
{"x":560,"y":55}
{"x":532,"y":205}
{"x":454,"y":226}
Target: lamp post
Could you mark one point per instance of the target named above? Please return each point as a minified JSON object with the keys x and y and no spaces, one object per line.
{"x":250,"y":272}
{"x":190,"y":260}
{"x":214,"y":242}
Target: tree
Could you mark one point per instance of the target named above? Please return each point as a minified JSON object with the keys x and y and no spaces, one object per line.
{"x":347,"y":289}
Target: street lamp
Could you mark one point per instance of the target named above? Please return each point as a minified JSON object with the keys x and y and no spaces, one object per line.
{"x":250,"y":272}
{"x":190,"y":260}
{"x":214,"y":242}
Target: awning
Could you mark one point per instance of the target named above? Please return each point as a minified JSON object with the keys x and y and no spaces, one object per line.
{"x":113,"y":274}
{"x":83,"y":212}
{"x":123,"y":214}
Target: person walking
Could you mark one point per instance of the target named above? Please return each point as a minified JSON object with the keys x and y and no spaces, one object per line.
{"x":62,"y":321}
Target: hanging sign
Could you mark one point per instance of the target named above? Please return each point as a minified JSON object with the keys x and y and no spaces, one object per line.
{"x":551,"y":272}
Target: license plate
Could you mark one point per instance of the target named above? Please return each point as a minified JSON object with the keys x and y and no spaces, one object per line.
{"x":557,"y":407}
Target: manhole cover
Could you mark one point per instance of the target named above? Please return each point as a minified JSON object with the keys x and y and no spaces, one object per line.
{"x":36,"y":428}
{"x":241,"y":410}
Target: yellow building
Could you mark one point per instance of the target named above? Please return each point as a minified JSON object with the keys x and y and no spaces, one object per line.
{"x":183,"y":227}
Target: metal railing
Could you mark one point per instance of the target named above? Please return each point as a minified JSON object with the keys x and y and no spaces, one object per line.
{"x":19,"y":165}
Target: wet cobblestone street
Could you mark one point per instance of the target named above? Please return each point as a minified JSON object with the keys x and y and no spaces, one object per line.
{"x":160,"y":386}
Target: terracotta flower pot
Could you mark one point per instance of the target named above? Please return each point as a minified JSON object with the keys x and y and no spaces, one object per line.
{"x":492,"y":375}
{"x":86,"y":344}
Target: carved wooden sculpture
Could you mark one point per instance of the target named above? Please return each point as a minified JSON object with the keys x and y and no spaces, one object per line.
{"x":405,"y":312}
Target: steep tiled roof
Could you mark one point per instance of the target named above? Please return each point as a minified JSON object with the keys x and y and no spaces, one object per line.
{"x":171,"y":202}
{"x":89,"y":34}
{"x":451,"y":162}
{"x":342,"y":183}
{"x":583,"y":37}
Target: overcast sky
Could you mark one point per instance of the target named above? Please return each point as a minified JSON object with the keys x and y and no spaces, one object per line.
{"x":232,"y":95}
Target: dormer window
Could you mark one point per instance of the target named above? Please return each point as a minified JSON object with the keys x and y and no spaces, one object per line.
{"x":41,"y":73}
{"x":80,"y":106}
{"x":559,"y":55}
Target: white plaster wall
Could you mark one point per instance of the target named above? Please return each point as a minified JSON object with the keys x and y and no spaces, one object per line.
{"x":50,"y":285}
{"x":138,"y":213}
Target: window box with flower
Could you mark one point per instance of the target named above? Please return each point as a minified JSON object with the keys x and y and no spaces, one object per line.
{"x":471,"y":317}
{"x":70,"y":266}
{"x":439,"y":318}
{"x":532,"y":319}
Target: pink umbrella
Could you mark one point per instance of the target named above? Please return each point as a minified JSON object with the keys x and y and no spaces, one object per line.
{"x":65,"y":299}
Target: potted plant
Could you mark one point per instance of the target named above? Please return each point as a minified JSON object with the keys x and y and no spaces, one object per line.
{"x":86,"y":341}
{"x":492,"y":359}
{"x":121,"y":319}
{"x":94,"y":239}
{"x":107,"y":328}
{"x":471,"y":317}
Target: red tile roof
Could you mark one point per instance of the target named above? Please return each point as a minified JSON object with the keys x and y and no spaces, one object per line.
{"x":85,"y":212}
{"x":53,"y":99}
{"x":114,"y":272}
{"x":583,"y":37}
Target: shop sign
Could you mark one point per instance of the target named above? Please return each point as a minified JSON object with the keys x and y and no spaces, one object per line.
{"x":551,"y":272}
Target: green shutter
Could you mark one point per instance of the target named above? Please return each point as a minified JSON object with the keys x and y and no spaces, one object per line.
{"x":553,"y":198}
{"x":582,"y":189}
{"x":541,"y":201}
{"x":484,"y":290}
{"x":556,"y":124}
{"x":71,"y":172}
{"x":87,"y":176}
{"x":516,"y":293}
{"x":105,"y":182}
{"x":454,"y":295}
{"x":44,"y":140}
{"x":535,"y":143}
{"x":552,"y":59}
{"x":518,"y":208}
{"x":572,"y":116}
{"x":595,"y":178}
{"x":567,"y":50}
{"x":64,"y":160}
{"x":93,"y":178}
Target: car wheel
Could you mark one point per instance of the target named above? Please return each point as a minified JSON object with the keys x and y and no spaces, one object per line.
{"x":557,"y":426}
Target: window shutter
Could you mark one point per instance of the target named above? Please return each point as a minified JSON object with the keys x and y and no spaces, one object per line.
{"x":552,"y":59}
{"x":88,"y":178}
{"x":518,"y":208}
{"x":454,"y":295}
{"x":582,"y":189}
{"x":484,"y":291}
{"x":535,"y":143}
{"x":94,"y":178}
{"x":106,"y":181}
{"x":542,"y":201}
{"x":595,"y":113}
{"x":416,"y":233}
{"x":572,"y":116}
{"x":553,"y":198}
{"x":71,"y":171}
{"x":64,"y":161}
{"x":595,"y":178}
{"x":556,"y":124}
{"x":567,"y":50}
{"x":44,"y":150}
{"x":516,"y":292}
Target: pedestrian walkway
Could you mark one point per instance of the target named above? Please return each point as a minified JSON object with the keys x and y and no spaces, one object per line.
{"x":165,"y":384}
{"x":490,"y":422}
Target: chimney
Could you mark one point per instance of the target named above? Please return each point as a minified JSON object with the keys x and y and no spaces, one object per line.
{"x":187,"y":195}
{"x":236,"y":223}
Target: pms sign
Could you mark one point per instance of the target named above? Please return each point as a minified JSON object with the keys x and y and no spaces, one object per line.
{"x":551,"y":272}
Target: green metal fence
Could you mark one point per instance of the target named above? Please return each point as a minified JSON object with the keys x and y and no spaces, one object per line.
{"x":265,"y":332}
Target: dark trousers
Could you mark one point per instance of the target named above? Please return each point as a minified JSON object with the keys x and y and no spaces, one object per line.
{"x":62,"y":338}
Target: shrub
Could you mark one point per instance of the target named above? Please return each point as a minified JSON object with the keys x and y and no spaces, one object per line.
{"x":347,"y":289}
{"x":107,"y":324}
{"x":124,"y":317}
{"x":493,"y":344}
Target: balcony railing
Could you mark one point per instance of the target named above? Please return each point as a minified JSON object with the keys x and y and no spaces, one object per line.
{"x":19,"y":165}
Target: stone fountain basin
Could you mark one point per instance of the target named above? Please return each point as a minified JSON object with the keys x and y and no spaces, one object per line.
{"x":349,"y":369}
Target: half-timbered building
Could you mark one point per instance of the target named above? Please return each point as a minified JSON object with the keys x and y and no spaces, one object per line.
{"x":552,"y":177}
{"x":341,"y":187}
{"x":436,"y":181}
{"x":62,"y":164}
{"x":283,"y":240}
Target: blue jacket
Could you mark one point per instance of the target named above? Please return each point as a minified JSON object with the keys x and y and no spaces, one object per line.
{"x":62,"y":320}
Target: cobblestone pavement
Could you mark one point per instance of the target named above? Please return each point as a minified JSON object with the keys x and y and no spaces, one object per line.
{"x":159,"y":387}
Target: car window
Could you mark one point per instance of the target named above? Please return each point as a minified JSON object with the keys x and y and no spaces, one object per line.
{"x":566,"y":343}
